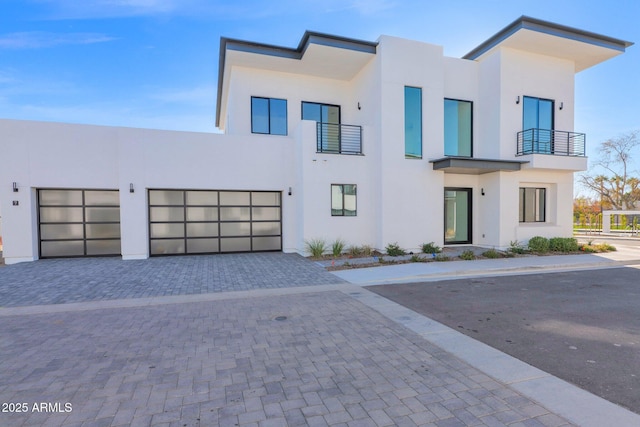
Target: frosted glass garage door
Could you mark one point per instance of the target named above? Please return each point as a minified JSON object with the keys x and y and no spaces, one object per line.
{"x":78,"y":222}
{"x":204,"y":221}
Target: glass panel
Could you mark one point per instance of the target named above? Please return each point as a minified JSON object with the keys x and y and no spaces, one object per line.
{"x":521,"y":205}
{"x":103,"y":231}
{"x":266,"y":228}
{"x":541,"y":196}
{"x":167,"y":230}
{"x":237,"y":198}
{"x":259,"y":115}
{"x":265,"y":199}
{"x":61,"y":231}
{"x":195,"y":246}
{"x":208,"y":198}
{"x":545,"y":114}
{"x":457,"y":216}
{"x":160,"y":247}
{"x":166,"y":214}
{"x":336,"y":200}
{"x":457,"y":128}
{"x":166,"y":197}
{"x":235,"y":214}
{"x":412,"y":122}
{"x":265,"y":214}
{"x":202,"y":214}
{"x":331,"y":114}
{"x":349,"y":200}
{"x":242,"y":244}
{"x":202,"y":229}
{"x":61,"y":215}
{"x":108,"y":198}
{"x":68,"y":248}
{"x":60,"y":197}
{"x":278,"y":116}
{"x":266,"y":244}
{"x":530,"y":113}
{"x":529,"y":204}
{"x":102,"y":214}
{"x":311,"y":111}
{"x":103,"y":247}
{"x":235,"y":228}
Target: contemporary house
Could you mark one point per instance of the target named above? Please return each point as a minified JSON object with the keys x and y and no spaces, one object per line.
{"x":371,"y":142}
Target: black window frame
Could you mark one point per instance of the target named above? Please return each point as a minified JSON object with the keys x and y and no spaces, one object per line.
{"x":342,"y":214}
{"x":286,"y":113}
{"x":522,"y":205}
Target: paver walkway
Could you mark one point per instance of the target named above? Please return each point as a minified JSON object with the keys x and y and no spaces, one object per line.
{"x":332,"y":361}
{"x":57,"y":281}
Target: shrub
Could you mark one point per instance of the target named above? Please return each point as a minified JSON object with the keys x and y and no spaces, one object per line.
{"x":366,"y":250}
{"x":442,"y":257}
{"x":430,"y":248}
{"x":467,"y":255}
{"x":393,"y":249}
{"x":605,"y":247}
{"x":337,"y":247}
{"x":516,"y":247}
{"x":317,"y":247}
{"x":539,"y":244}
{"x":354,"y":251}
{"x":416,"y":258}
{"x":491,"y":253}
{"x":563,"y":244}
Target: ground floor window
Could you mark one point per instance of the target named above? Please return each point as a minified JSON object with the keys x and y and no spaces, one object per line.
{"x":532,"y":204}
{"x":343,"y":200}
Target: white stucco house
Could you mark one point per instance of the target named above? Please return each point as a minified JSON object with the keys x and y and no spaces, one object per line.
{"x":372,"y":142}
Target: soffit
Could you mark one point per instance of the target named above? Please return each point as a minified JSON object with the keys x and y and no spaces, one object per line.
{"x":471,"y":166}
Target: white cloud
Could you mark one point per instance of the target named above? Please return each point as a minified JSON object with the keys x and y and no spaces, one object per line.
{"x":43,"y":39}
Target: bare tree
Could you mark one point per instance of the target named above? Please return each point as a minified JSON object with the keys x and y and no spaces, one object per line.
{"x":617,"y":187}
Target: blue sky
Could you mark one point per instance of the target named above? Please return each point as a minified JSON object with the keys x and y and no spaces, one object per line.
{"x":153,"y":63}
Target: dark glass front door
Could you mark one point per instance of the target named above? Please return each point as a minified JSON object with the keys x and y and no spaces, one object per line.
{"x":457,"y":215}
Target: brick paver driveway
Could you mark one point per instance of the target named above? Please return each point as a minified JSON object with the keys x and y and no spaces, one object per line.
{"x":56,"y":281}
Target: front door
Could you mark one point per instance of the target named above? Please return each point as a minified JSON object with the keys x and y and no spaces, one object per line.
{"x":457,"y":216}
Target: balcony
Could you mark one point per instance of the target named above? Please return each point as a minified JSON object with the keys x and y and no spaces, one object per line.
{"x":554,"y":142}
{"x":339,"y":139}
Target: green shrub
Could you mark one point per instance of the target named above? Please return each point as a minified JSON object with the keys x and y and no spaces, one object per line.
{"x":416,"y":258}
{"x":539,"y":244}
{"x":317,"y":247}
{"x":354,"y":251}
{"x":366,"y":250}
{"x":563,"y":244}
{"x":605,"y":247}
{"x":516,"y":247}
{"x":442,"y":257}
{"x":467,"y":255}
{"x":430,"y":248}
{"x":393,"y":249}
{"x":491,"y":253}
{"x":337,"y":247}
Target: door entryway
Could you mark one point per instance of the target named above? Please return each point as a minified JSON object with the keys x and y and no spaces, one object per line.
{"x":457,"y":216}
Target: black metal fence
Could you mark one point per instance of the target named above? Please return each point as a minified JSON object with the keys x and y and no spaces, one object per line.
{"x":339,"y":138}
{"x":546,"y":141}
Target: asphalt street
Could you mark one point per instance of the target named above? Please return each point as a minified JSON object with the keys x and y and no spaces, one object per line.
{"x":581,"y":326}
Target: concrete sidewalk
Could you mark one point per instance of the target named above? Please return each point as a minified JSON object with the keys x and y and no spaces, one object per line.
{"x":421,"y":272}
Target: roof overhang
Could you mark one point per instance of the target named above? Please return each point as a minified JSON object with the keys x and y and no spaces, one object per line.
{"x":470,"y":166}
{"x":584,"y":48}
{"x":317,"y":54}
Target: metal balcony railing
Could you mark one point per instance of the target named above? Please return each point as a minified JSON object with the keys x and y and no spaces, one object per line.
{"x":339,"y":139}
{"x":546,"y":141}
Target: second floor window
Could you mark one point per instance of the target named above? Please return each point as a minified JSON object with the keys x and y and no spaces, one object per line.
{"x":268,"y":115}
{"x":412,"y":122}
{"x":458,"y":124}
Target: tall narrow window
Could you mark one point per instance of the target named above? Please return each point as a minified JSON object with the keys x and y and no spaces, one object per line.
{"x":458,"y":128}
{"x":537,"y":122}
{"x":343,"y":200}
{"x":412,"y":122}
{"x":532,"y":204}
{"x":268,"y":115}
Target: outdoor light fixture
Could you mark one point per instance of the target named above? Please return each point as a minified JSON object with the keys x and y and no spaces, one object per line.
{"x":131,"y":188}
{"x":561,"y":105}
{"x":518,"y":100}
{"x":482,"y":191}
{"x":15,"y":187}
{"x":289,"y":190}
{"x":359,"y":106}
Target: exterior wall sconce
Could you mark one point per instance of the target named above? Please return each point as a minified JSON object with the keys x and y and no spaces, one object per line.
{"x":131,"y":190}
{"x":561,"y":105}
{"x":359,"y":108}
{"x":289,"y":191}
{"x":482,"y":191}
{"x":518,"y":100}
{"x":15,"y":187}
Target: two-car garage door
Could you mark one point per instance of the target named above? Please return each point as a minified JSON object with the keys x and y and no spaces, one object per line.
{"x":84,"y":222}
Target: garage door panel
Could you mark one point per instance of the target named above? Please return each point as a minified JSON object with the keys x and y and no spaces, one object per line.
{"x":62,"y":248}
{"x":68,"y":220}
{"x":213,"y":221}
